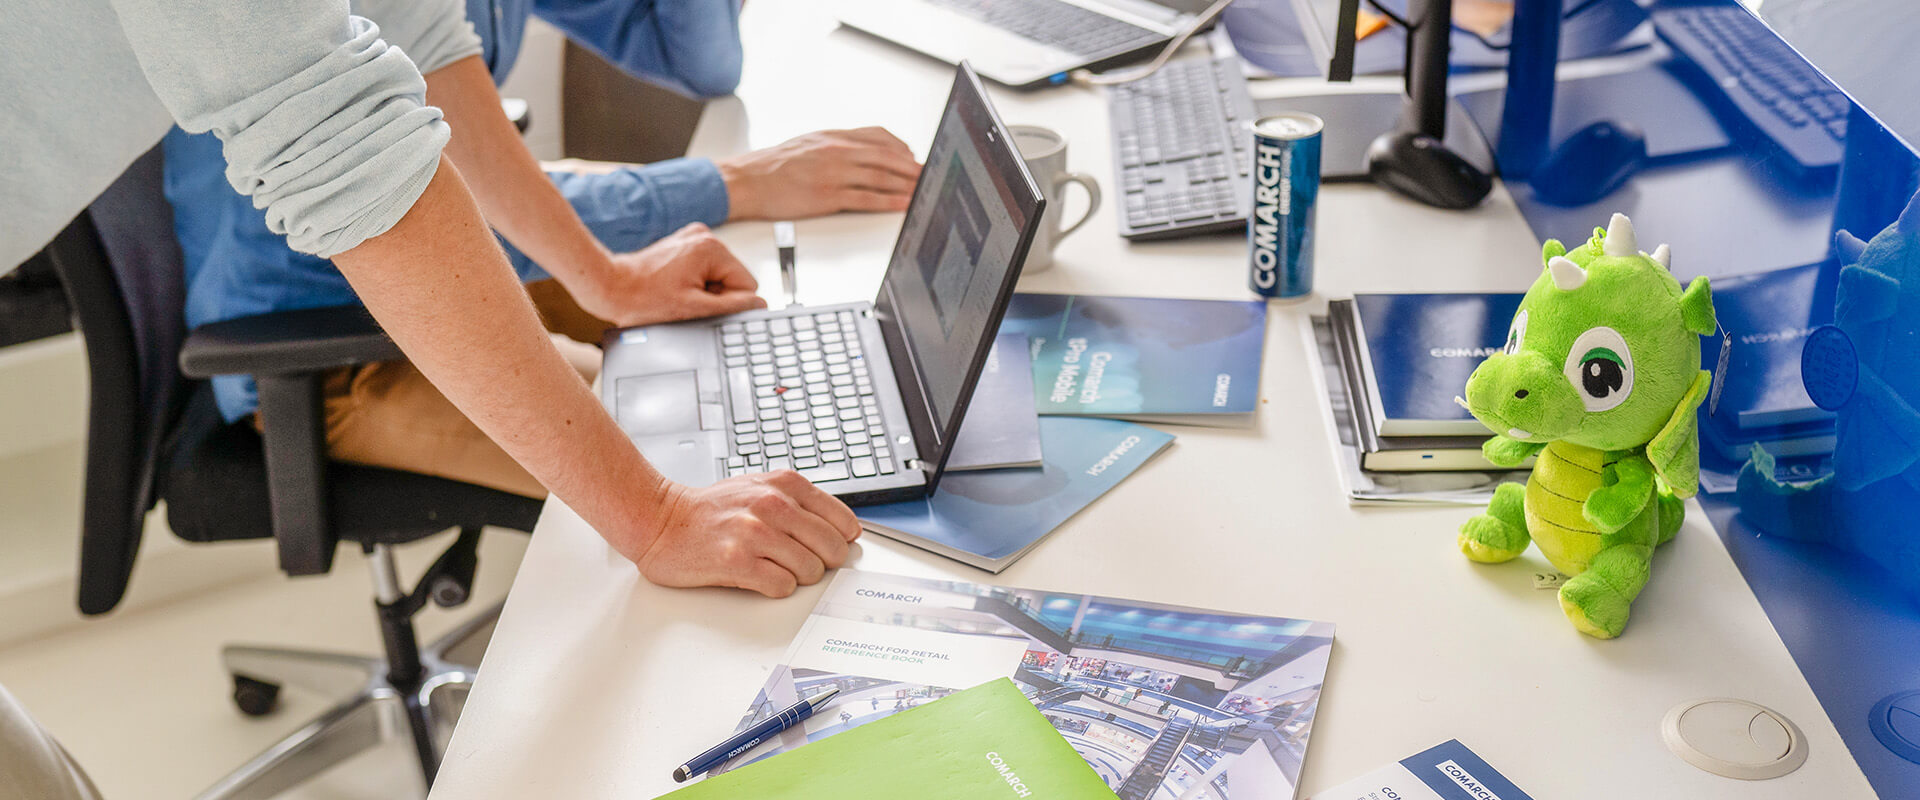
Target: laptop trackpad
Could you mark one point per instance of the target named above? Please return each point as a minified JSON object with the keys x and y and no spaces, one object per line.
{"x":649,"y":405}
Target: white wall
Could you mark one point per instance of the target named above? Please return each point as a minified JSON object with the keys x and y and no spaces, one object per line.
{"x":536,"y":79}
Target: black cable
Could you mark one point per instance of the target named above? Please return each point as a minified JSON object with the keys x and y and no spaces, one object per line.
{"x":1396,"y":19}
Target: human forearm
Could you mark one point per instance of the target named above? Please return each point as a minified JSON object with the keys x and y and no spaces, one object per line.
{"x":439,"y":285}
{"x":513,"y":192}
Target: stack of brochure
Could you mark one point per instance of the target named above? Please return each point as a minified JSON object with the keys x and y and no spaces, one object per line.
{"x":1405,"y":359}
{"x":1161,"y":701}
{"x":1353,"y":428}
{"x":1052,"y":425}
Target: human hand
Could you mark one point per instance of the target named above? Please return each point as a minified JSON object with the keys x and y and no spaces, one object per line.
{"x":687,"y":275}
{"x":769,"y":533}
{"x":864,"y":169}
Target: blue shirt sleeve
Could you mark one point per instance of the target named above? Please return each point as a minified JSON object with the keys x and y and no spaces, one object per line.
{"x":633,"y":207}
{"x":690,"y":46}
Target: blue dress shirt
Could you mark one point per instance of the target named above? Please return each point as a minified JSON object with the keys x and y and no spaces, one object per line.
{"x":236,"y":266}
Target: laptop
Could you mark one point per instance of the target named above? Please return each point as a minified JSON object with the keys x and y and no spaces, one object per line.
{"x":1025,"y":43}
{"x":864,"y":399}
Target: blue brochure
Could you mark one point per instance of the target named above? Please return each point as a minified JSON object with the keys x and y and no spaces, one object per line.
{"x":1195,"y":362}
{"x":989,"y":519}
{"x":1417,"y":351}
{"x":1002,"y":429}
{"x":1445,"y":772}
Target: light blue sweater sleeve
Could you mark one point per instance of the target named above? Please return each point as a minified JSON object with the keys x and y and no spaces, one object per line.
{"x":323,"y":124}
{"x":633,"y":207}
{"x":690,"y":46}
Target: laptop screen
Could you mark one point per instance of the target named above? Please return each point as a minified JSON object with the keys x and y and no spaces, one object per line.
{"x":965,"y":235}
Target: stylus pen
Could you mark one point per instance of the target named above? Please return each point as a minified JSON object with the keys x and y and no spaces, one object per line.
{"x":746,"y":740}
{"x":783,"y":239}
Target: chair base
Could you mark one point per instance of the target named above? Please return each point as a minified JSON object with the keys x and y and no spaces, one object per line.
{"x":374,"y":710}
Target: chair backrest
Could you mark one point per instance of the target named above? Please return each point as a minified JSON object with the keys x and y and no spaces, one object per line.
{"x":125,"y":279}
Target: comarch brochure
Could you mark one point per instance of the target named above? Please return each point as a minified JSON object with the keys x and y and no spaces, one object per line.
{"x":1002,"y":428}
{"x":1193,"y":362}
{"x":1447,"y":771}
{"x":1365,"y":487}
{"x":990,"y":519}
{"x":1161,"y":701}
{"x":1416,"y":351}
{"x":980,"y":744}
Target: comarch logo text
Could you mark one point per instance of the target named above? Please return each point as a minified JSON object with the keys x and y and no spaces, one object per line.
{"x":1114,"y":456}
{"x":1465,"y":779}
{"x":1462,"y":352}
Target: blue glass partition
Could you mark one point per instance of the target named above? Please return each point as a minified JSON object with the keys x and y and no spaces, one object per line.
{"x":1767,"y":148}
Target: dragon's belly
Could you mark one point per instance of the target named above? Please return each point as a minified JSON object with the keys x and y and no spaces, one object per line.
{"x":1563,"y":476}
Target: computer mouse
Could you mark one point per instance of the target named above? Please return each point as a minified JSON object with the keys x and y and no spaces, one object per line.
{"x":1590,"y":164}
{"x":1421,"y":167}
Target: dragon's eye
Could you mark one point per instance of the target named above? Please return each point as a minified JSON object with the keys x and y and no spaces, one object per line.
{"x":1516,"y":335}
{"x":1600,"y":368}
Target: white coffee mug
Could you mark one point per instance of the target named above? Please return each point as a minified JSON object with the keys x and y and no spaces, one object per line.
{"x":1045,"y":152}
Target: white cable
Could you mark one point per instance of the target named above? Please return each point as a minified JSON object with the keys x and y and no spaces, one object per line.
{"x":1086,"y":77}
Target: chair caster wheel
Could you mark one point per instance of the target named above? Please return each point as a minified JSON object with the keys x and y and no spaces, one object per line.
{"x":255,"y":698}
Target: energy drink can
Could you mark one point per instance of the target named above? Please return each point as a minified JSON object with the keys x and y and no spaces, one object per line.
{"x":1286,"y":184}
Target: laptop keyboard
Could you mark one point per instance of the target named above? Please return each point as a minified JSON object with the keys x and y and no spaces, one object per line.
{"x":1064,"y":26}
{"x":802,"y":399}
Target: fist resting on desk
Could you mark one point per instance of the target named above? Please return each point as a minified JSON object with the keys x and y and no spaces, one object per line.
{"x":770,"y":533}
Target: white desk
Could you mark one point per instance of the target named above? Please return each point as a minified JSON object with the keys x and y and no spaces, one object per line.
{"x":597,"y":683}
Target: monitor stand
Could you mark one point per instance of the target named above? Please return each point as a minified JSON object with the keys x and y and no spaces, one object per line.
{"x":1354,"y":119}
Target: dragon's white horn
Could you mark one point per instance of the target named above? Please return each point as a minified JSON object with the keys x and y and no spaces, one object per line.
{"x":1620,"y":237}
{"x":1664,"y":255}
{"x":1566,"y":274}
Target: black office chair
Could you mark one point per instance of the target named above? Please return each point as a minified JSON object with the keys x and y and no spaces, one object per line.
{"x":154,"y":433}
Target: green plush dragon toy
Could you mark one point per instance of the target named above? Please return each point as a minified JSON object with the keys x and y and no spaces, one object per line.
{"x":1600,"y":378}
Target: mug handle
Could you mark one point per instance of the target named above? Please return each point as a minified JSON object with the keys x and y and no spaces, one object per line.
{"x":1093,"y":198}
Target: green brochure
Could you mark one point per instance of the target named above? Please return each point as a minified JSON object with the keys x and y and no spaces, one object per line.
{"x":986,"y":743}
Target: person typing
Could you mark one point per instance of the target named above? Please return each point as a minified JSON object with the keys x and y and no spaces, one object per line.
{"x":627,"y":245}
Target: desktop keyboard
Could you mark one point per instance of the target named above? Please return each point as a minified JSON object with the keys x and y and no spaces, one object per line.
{"x":1180,"y":147}
{"x":1767,"y":83}
{"x":1063,"y":26}
{"x":802,"y":399}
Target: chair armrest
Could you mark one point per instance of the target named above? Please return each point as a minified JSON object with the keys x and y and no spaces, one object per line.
{"x":287,"y":343}
{"x":287,"y":352}
{"x":518,"y":112}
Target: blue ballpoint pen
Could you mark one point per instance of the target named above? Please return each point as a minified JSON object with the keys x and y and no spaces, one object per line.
{"x":746,"y":740}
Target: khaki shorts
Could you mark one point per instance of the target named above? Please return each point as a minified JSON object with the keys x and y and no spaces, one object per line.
{"x":389,"y":415}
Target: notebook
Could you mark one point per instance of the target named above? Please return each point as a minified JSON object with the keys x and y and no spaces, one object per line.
{"x":1416,"y":351}
{"x":980,"y":744}
{"x":1398,"y":453}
